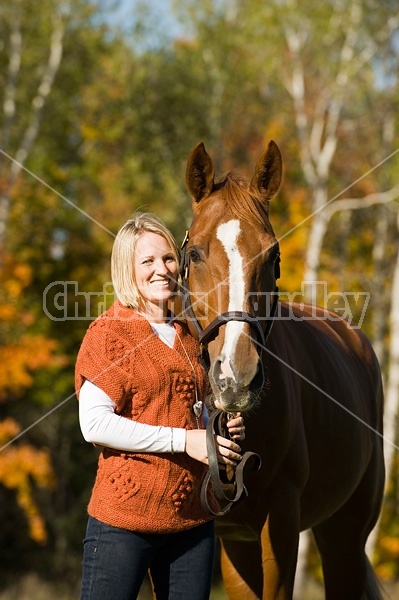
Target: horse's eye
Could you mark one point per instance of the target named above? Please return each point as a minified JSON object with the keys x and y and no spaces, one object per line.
{"x":274,"y":259}
{"x":194,"y":255}
{"x":274,"y":254}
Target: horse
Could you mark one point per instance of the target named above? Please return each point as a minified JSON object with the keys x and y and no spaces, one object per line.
{"x":307,"y":382}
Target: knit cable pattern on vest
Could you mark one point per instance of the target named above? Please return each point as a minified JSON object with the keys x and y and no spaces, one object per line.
{"x":154,"y":384}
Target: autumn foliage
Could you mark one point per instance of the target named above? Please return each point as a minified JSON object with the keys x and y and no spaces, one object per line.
{"x":22,"y":353}
{"x":97,"y":121}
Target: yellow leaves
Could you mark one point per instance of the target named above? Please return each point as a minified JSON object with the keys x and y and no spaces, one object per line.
{"x":385,"y":572}
{"x":17,"y":277}
{"x":390,"y":544}
{"x":275,"y":130}
{"x":7,"y":312}
{"x":19,"y":468}
{"x":89,"y":132}
{"x":20,"y":354}
{"x":9,"y":428}
{"x":22,"y":467}
{"x":19,"y":360}
{"x":293,"y":240}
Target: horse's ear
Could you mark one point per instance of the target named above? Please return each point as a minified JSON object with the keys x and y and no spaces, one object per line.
{"x":268,"y":172}
{"x":200,"y":173}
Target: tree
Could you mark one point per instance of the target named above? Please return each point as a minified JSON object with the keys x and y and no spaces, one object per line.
{"x":44,"y":238}
{"x":329,"y":60}
{"x":114,"y":127}
{"x":20,"y":124}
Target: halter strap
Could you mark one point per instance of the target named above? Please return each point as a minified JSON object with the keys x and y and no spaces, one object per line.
{"x":205,"y":335}
{"x":231,"y":315}
{"x":215,"y":420}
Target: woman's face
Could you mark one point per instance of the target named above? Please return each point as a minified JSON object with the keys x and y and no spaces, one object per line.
{"x":155,"y":269}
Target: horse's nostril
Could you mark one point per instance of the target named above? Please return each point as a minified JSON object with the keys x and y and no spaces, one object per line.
{"x":219,"y":377}
{"x":217,"y":374}
{"x":222,"y":383}
{"x":227,"y":383}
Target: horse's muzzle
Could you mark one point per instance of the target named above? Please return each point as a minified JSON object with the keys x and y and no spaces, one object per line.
{"x":230,"y":395}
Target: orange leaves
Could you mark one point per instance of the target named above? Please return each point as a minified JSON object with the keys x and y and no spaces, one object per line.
{"x":21,"y":353}
{"x":390,"y":544}
{"x":291,"y":229}
{"x":8,"y":429}
{"x":19,"y":467}
{"x":20,"y":278}
{"x":19,"y":360}
{"x":16,"y":277}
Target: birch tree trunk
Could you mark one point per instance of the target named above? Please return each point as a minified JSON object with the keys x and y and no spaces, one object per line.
{"x":318,"y":143}
{"x":319,"y":137}
{"x":318,"y":119}
{"x":302,"y":563}
{"x":14,"y":159}
{"x":379,"y":321}
{"x":317,"y":132}
{"x":391,"y":409}
{"x":380,"y":310}
{"x":392,"y":385}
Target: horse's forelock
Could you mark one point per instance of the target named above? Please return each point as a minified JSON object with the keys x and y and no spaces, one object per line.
{"x":244,"y":202}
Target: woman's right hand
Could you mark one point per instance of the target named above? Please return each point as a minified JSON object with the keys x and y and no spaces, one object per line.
{"x":228,"y":452}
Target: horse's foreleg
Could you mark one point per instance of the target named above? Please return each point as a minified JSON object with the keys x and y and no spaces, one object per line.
{"x":242,"y":570}
{"x":280,"y":538}
{"x":279,"y":541}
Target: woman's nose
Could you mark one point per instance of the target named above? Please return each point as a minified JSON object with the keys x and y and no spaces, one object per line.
{"x":161,"y":267}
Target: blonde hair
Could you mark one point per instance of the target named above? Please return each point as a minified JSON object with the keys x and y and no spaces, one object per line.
{"x":122,"y":258}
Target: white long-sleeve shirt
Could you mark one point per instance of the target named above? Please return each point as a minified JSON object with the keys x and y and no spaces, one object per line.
{"x":102,"y":426}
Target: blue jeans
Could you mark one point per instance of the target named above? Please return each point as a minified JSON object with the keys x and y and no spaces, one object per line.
{"x":115,"y":562}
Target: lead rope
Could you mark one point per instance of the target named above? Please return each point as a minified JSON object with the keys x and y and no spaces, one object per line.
{"x":214,"y":426}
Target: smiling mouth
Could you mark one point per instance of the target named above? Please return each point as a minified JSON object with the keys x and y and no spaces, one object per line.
{"x":161,"y":283}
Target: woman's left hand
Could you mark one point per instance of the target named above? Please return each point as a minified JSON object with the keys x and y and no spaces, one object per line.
{"x":236,"y":427}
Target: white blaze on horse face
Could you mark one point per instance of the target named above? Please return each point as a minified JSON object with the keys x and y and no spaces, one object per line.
{"x":228,"y":234}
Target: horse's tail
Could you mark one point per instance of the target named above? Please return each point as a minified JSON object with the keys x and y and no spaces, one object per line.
{"x":373,"y":589}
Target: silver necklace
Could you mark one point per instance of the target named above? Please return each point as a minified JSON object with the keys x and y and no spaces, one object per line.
{"x":198,"y":404}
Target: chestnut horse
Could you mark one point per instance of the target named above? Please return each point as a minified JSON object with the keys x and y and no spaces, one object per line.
{"x":309,"y":388}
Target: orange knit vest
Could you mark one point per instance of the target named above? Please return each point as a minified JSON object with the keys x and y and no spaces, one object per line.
{"x":154,"y":384}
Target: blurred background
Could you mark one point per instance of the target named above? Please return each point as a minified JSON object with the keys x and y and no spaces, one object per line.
{"x":100,"y":103}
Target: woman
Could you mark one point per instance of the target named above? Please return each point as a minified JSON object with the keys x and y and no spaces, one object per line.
{"x":141,"y":391}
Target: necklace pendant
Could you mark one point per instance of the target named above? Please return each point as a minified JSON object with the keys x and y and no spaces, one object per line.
{"x":197,"y":408}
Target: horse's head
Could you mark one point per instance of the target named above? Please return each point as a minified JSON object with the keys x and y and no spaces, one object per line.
{"x":231,"y":258}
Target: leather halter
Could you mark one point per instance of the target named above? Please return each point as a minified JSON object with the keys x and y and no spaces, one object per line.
{"x":211,"y":331}
{"x":214,"y":425}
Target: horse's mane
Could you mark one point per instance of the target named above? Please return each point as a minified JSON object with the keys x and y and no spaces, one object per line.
{"x":243,"y":201}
